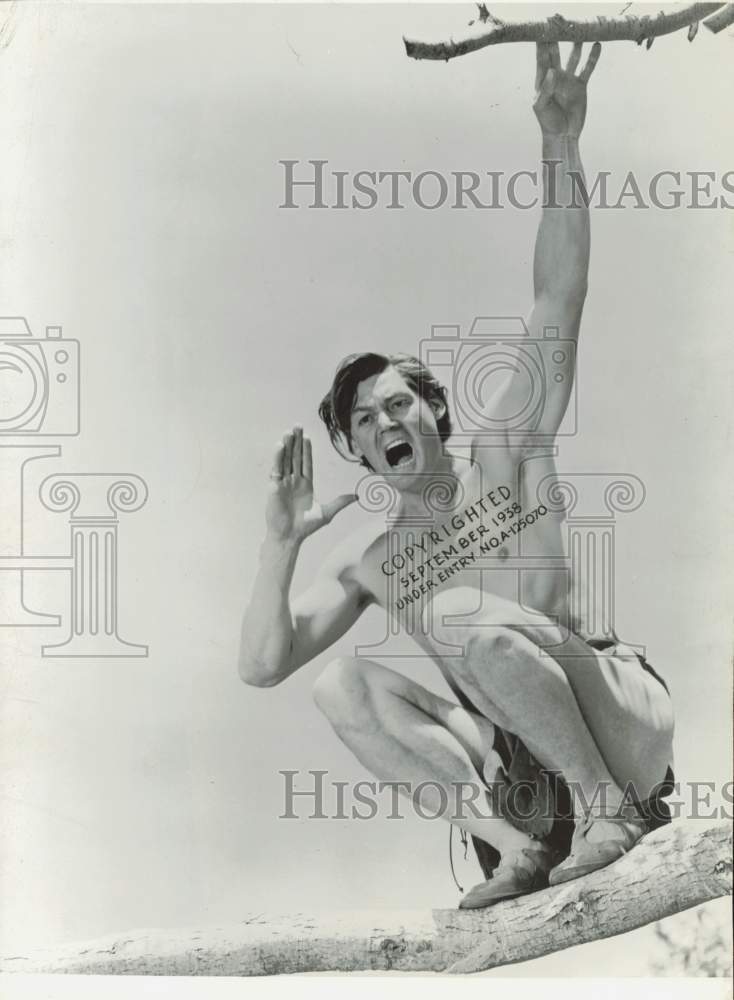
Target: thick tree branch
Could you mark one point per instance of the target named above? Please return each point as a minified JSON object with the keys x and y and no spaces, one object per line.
{"x":670,"y":870}
{"x":560,"y":29}
{"x":721,"y":19}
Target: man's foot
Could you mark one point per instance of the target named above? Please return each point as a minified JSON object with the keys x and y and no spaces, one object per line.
{"x":519,"y":872}
{"x":597,"y":842}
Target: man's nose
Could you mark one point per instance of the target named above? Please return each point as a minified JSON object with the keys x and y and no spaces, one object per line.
{"x":385,"y":421}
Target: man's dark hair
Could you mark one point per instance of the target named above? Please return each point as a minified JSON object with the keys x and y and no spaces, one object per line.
{"x":337,"y":405}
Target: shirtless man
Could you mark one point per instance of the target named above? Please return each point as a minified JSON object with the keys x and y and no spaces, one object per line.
{"x":592,"y":715}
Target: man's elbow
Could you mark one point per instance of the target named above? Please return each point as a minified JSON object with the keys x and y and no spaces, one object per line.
{"x":577,"y":294}
{"x":255,"y":674}
{"x":562,"y":304}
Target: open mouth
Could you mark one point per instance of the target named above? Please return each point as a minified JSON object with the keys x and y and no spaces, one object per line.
{"x":398,"y":453}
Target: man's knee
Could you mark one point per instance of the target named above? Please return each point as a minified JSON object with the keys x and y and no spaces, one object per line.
{"x":453,"y":611}
{"x":490,"y":626}
{"x":340,"y":691}
{"x":465,"y":617}
{"x":453,"y":601}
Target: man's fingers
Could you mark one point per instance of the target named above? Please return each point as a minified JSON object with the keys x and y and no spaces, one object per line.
{"x":546,"y":90}
{"x":542,"y":63}
{"x":288,"y":454}
{"x":276,"y":471}
{"x":554,"y":55}
{"x":307,"y":461}
{"x":590,"y":62}
{"x":297,"y":451}
{"x":573,"y":59}
{"x":334,"y":506}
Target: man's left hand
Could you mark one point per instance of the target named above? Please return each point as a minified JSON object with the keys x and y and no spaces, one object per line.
{"x":560,"y":99}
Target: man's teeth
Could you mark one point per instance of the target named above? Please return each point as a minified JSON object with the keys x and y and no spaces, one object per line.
{"x":398,"y":453}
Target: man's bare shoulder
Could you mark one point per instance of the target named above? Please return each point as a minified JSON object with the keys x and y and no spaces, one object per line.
{"x":350,"y":558}
{"x":508,"y":460}
{"x":491,"y":463}
{"x":358,"y":545}
{"x":528,"y":469}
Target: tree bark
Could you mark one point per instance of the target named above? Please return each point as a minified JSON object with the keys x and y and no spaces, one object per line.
{"x":561,"y":29}
{"x":670,"y":870}
{"x":721,"y":19}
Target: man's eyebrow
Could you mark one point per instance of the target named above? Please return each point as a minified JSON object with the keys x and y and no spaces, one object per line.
{"x":388,"y":399}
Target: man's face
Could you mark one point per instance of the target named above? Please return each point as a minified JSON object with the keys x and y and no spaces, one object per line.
{"x":386,"y":423}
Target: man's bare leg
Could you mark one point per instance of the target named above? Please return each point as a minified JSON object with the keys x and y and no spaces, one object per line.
{"x":504,"y":664}
{"x":402,"y":732}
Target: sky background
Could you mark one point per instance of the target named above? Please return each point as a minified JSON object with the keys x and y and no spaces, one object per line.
{"x":140,"y":211}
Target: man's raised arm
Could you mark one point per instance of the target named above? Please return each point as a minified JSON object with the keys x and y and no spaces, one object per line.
{"x":562,"y":247}
{"x":277,"y":639}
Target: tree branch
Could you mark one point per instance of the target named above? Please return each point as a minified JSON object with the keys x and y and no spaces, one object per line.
{"x":721,"y":19}
{"x":670,"y":870}
{"x":560,"y":29}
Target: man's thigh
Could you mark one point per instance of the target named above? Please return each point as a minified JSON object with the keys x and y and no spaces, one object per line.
{"x":628,"y":712}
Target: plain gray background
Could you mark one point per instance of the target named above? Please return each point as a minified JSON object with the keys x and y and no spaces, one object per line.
{"x":141,"y":187}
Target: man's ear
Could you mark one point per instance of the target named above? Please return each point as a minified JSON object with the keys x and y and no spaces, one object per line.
{"x":439,"y":408}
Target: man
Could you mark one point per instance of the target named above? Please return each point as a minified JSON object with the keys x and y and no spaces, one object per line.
{"x":588,"y":711}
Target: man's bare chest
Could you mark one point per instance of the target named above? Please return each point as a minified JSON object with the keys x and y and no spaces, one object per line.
{"x":506,"y":548}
